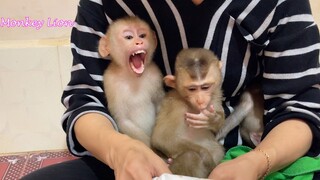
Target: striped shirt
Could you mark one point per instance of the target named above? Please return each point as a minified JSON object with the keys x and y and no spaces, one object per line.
{"x":276,"y":41}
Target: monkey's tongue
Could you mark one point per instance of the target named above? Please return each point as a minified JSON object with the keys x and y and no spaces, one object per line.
{"x":137,"y":64}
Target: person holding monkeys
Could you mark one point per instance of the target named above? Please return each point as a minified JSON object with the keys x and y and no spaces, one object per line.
{"x":274,"y":41}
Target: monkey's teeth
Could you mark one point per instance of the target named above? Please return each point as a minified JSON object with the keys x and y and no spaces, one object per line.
{"x":139,"y":52}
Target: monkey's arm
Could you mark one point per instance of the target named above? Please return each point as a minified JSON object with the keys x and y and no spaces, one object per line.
{"x":237,"y":116}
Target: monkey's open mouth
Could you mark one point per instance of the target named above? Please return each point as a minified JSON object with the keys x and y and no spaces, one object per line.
{"x":136,"y":61}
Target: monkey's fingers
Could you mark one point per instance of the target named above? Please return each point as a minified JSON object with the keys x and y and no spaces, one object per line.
{"x":169,"y":161}
{"x":197,"y":123}
{"x":200,"y":126}
{"x":211,"y":109}
{"x":201,"y":116}
{"x":210,"y":113}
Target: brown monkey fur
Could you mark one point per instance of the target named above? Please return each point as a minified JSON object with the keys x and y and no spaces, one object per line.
{"x":196,"y":85}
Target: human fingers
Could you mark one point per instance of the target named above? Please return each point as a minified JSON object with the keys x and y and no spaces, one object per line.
{"x":144,"y":166}
{"x":133,"y":168}
{"x":162,"y":167}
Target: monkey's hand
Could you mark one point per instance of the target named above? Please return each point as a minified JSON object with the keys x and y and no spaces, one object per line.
{"x":207,"y":118}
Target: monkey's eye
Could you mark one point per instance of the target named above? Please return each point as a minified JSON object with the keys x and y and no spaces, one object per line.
{"x":192,"y":89}
{"x":127,"y":34}
{"x":128,"y":37}
{"x":143,"y":35}
{"x":205,"y":87}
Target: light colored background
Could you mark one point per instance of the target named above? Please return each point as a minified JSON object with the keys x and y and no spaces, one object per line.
{"x":34,"y":69}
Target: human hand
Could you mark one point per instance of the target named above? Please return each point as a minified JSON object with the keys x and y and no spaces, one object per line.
{"x":133,"y":160}
{"x":207,"y":118}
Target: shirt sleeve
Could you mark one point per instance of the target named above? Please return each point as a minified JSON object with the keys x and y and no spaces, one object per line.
{"x":291,"y":72}
{"x":84,"y":93}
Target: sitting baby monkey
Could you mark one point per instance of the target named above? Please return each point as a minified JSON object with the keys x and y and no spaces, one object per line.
{"x":132,"y":81}
{"x":191,"y":114}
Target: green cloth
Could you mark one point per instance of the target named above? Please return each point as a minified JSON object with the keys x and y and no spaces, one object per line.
{"x":301,"y":169}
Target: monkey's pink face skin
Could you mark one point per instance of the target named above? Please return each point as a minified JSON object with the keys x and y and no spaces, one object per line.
{"x":199,"y":96}
{"x":137,"y":42}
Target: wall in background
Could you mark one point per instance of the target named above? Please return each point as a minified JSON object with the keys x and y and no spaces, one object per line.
{"x":35,"y":64}
{"x":315,"y":5}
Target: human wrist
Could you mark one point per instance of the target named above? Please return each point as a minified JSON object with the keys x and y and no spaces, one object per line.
{"x":116,"y":146}
{"x":260,"y":161}
{"x":112,"y":142}
{"x":267,"y":161}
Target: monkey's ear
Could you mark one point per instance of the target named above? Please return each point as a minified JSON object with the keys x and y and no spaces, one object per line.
{"x":170,"y":81}
{"x":103,"y":47}
{"x":220,"y":65}
{"x":154,"y":36}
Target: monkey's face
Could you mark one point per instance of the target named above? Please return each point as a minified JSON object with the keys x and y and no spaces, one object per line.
{"x":198,"y":92}
{"x":132,"y":46}
{"x":198,"y":96}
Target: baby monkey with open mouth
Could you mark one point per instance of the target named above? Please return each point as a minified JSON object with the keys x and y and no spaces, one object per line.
{"x":132,"y":81}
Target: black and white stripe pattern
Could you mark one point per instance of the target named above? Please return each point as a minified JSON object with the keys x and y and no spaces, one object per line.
{"x":271,"y":39}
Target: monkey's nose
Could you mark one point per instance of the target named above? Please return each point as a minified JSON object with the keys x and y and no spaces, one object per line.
{"x":201,"y":104}
{"x":139,"y":42}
